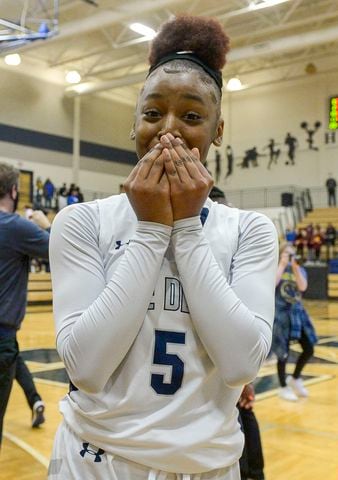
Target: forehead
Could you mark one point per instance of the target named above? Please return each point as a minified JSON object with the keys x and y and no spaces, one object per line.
{"x":178,"y":83}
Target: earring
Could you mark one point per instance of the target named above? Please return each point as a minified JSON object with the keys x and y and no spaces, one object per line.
{"x":132,"y":135}
{"x":218,"y":141}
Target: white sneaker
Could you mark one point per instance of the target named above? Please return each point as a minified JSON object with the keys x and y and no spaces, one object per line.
{"x":297,"y":385}
{"x":286,"y":393}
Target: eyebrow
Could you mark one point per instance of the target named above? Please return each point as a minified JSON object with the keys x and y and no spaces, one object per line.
{"x":187,"y":96}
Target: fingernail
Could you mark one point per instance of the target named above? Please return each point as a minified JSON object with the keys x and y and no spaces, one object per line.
{"x":177,"y":141}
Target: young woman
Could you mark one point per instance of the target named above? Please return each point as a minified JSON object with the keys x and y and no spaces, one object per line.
{"x":163,"y":299}
{"x":291,"y":323}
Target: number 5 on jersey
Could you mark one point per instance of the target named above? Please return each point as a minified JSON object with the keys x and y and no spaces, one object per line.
{"x":162,"y":357}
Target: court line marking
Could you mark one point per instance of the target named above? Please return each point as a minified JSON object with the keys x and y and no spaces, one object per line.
{"x":27,"y":448}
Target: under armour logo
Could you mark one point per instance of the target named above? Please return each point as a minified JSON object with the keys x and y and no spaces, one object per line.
{"x":97,"y":454}
{"x":119,"y":244}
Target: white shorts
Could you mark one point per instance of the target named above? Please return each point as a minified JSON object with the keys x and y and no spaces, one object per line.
{"x":75,"y":459}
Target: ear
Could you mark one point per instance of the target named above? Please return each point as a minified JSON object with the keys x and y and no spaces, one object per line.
{"x":14,"y":192}
{"x":219,"y":133}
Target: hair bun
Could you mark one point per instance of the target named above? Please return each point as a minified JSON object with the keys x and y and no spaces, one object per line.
{"x":203,"y":36}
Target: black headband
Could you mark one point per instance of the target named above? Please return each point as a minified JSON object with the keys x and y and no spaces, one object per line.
{"x":215,"y":74}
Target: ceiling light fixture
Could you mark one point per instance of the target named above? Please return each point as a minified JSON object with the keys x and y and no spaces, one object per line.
{"x":254,"y":5}
{"x":234,"y":84}
{"x":73,"y":77}
{"x":143,"y":30}
{"x":13,"y":59}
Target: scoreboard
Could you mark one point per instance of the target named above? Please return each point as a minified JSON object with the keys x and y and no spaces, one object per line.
{"x":333,"y":120}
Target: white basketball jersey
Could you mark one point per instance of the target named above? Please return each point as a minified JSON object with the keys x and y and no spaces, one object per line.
{"x":165,"y":406}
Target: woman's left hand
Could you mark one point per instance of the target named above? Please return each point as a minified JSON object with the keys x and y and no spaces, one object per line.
{"x":190,"y":182}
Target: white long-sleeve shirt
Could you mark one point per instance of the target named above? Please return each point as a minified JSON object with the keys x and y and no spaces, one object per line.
{"x":160,"y":327}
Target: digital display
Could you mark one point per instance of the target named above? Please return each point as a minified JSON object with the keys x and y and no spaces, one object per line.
{"x":333,"y":121}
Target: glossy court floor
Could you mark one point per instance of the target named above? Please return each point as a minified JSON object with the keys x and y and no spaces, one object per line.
{"x":300,"y":440}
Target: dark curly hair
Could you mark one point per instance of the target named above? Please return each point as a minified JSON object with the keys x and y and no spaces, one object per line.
{"x":204,"y":36}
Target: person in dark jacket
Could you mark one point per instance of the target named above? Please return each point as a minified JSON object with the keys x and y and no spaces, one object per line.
{"x":20,"y":239}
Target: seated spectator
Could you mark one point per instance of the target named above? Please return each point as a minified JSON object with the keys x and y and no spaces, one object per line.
{"x":301,"y":242}
{"x":317,"y":241}
{"x":290,"y":235}
{"x":330,"y":241}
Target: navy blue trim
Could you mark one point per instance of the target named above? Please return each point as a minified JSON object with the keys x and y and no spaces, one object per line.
{"x":58,"y":143}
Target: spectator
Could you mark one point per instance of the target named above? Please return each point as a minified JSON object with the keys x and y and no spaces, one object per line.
{"x":290,"y":235}
{"x":330,"y":241}
{"x":301,"y":242}
{"x":20,"y":239}
{"x":79,"y":195}
{"x":317,"y":241}
{"x":331,"y":186}
{"x":62,"y":197}
{"x":73,"y":197}
{"x":48,"y":193}
{"x":252,"y":460}
{"x":38,"y":193}
{"x":291,"y":323}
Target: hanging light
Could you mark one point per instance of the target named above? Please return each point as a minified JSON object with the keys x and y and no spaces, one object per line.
{"x":13,"y":59}
{"x":143,"y":30}
{"x":73,"y":76}
{"x":234,"y":84}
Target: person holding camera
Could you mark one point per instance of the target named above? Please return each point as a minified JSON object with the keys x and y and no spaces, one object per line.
{"x":292,"y":323}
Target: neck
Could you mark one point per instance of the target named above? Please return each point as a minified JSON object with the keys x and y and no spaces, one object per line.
{"x":6,"y":204}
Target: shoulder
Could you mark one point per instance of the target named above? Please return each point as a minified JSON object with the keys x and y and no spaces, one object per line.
{"x":79,"y":216}
{"x":256,"y":229}
{"x":251,"y":220}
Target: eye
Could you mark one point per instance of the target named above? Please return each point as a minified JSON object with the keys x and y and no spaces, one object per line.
{"x":151,"y":113}
{"x":192,"y":116}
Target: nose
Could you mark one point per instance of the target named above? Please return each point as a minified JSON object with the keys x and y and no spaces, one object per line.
{"x":169,"y":124}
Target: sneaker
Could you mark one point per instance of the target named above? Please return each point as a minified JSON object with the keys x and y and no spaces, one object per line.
{"x":37,"y":414}
{"x":297,"y":386}
{"x":286,"y":393}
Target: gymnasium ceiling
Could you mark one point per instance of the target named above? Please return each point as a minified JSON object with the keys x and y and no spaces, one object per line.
{"x":271,"y":40}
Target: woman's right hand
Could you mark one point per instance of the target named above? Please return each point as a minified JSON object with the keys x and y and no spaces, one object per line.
{"x":147,"y":188}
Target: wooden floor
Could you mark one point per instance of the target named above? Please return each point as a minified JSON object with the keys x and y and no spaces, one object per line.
{"x":300,"y":440}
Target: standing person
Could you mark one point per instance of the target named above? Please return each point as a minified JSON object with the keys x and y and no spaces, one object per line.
{"x":20,"y":239}
{"x":48,"y":192}
{"x":24,"y":378}
{"x":331,"y":186}
{"x":162,"y":316}
{"x":252,"y":460}
{"x":291,"y":323}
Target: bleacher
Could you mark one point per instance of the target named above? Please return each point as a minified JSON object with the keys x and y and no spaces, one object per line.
{"x":322,"y":217}
{"x":39,"y":293}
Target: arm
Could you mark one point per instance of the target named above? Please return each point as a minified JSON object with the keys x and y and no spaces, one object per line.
{"x":301,"y":280}
{"x":97,"y":319}
{"x":31,"y":240}
{"x":234,"y":321}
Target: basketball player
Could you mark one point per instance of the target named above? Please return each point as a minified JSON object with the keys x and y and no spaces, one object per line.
{"x":163,"y":299}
